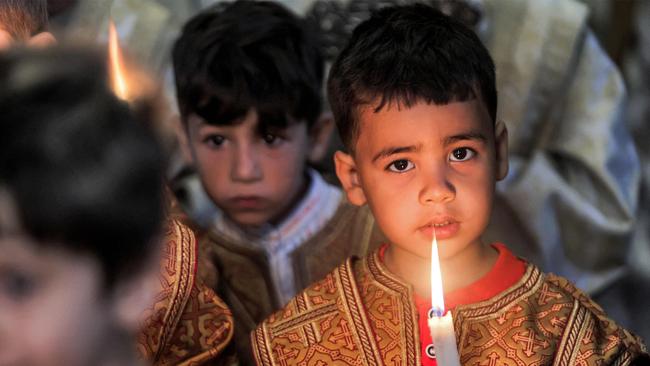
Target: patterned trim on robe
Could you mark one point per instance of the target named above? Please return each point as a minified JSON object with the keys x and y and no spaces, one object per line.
{"x":188,"y":324}
{"x":361,"y":314}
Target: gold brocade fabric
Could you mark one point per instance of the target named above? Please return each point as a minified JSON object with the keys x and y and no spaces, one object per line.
{"x":243,"y":273}
{"x":361,"y":314}
{"x":188,"y":324}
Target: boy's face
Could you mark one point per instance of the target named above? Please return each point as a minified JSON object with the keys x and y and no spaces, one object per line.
{"x":425,"y":166}
{"x":254,"y":178}
{"x":52,"y":310}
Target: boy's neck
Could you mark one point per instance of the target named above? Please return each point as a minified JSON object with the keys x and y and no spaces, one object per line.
{"x":461,"y":270}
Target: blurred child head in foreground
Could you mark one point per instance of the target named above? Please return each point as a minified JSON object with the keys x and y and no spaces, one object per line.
{"x":80,"y":210}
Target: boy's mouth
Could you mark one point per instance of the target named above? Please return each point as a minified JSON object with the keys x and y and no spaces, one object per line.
{"x":247,"y":203}
{"x":445,"y":228}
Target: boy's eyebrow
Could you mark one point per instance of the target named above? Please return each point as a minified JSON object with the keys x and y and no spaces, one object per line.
{"x":392,"y":150}
{"x":472,"y":135}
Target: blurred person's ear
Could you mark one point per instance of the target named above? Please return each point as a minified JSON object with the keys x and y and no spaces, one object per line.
{"x":319,"y":137}
{"x":42,"y":39}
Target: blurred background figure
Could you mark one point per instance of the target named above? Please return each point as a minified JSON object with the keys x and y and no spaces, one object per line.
{"x":81,"y":204}
{"x":249,"y":80}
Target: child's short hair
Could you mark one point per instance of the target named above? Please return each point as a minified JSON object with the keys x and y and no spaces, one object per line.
{"x":405,"y":55}
{"x":84,"y":172}
{"x":23,"y":18}
{"x":249,"y":54}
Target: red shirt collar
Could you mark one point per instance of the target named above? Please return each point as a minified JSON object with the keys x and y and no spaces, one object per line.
{"x":506,"y":272}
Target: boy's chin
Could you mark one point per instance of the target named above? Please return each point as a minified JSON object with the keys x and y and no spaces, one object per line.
{"x":250,"y":220}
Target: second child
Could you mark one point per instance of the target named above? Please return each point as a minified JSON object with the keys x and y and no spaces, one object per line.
{"x":249,"y":86}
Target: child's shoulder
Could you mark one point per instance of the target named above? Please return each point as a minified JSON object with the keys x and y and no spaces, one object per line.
{"x":349,"y":317}
{"x":310,"y":320}
{"x":181,"y":295}
{"x":318,"y":299}
{"x":589,"y":322}
{"x":545,"y":316}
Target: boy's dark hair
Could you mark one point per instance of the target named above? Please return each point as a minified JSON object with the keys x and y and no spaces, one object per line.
{"x":248,"y":54}
{"x":85,"y":173}
{"x":23,"y":18}
{"x":404,"y":55}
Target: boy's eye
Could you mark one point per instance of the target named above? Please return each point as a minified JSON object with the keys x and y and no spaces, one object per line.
{"x":271,"y":139}
{"x":16,"y":286}
{"x":214,"y":140}
{"x":400,"y":166}
{"x":462,"y":154}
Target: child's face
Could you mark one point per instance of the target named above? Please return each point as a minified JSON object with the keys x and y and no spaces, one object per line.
{"x":425,"y":166}
{"x":52,"y":310}
{"x":254,"y":179}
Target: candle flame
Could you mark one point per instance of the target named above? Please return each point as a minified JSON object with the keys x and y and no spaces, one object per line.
{"x":437,"y":298}
{"x":118,"y":81}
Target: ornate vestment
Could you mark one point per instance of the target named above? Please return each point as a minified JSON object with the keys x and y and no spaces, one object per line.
{"x":188,"y":324}
{"x":361,"y":314}
{"x":244,"y":279}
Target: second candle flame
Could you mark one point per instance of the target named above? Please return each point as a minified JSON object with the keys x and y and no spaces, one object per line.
{"x":116,"y":64}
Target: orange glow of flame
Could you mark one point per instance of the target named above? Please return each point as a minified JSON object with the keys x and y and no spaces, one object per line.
{"x":437,"y":298}
{"x":118,"y":81}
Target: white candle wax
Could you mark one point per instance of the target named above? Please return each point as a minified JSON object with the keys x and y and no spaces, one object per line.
{"x":441,"y":325}
{"x":444,"y":340}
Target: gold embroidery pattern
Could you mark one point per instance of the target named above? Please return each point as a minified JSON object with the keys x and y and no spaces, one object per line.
{"x":394,"y":316}
{"x":354,"y":308}
{"x":541,"y":320}
{"x":188,"y":324}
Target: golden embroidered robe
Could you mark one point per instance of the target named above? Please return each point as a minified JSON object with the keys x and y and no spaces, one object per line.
{"x":188,"y":324}
{"x":244,"y":273}
{"x":361,"y":314}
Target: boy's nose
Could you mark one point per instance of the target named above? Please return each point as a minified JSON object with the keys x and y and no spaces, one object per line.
{"x":246,"y":167}
{"x":436,"y":188}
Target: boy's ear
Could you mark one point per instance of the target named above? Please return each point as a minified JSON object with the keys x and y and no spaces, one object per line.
{"x":501,"y":142}
{"x":180,"y":129}
{"x":319,"y":136}
{"x":42,"y":39}
{"x":346,"y":170}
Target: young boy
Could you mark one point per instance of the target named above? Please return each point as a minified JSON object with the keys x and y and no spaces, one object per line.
{"x":414,"y":98}
{"x":249,"y":79}
{"x":24,"y":21}
{"x":81,"y":205}
{"x":80,"y":213}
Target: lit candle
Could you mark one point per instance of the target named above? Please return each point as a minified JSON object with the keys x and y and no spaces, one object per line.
{"x":441,"y":325}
